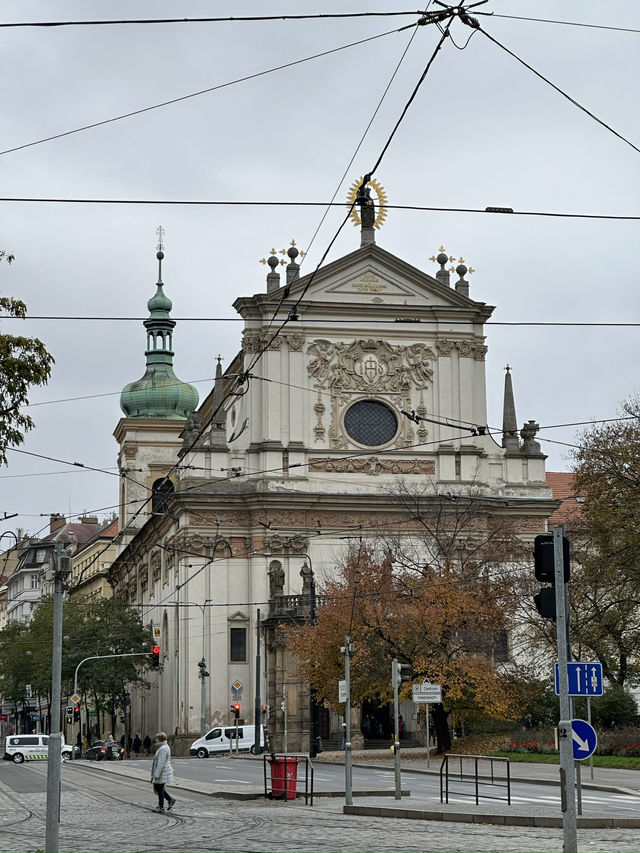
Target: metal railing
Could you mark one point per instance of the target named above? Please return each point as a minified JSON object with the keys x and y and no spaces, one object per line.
{"x":282,"y":779}
{"x":480,"y":782}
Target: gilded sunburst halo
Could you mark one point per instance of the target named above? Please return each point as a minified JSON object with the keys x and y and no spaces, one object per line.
{"x":381,"y":201}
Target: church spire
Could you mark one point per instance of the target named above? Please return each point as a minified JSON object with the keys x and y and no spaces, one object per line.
{"x":159,"y":393}
{"x":510,"y":440}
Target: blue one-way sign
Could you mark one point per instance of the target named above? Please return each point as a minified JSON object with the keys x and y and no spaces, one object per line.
{"x":585,"y":679}
{"x":584,"y":739}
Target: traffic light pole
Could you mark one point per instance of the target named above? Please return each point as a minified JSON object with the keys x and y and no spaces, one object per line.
{"x":348,"y":794}
{"x":55,"y":742}
{"x":565,"y":729}
{"x":395,"y":678}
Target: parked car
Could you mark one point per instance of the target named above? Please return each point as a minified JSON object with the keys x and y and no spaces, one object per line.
{"x":222,"y":738}
{"x":19,"y":748}
{"x":102,"y":750}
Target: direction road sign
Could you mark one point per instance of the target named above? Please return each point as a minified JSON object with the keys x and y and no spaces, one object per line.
{"x":427,"y":692}
{"x":585,"y":679}
{"x":584,"y":739}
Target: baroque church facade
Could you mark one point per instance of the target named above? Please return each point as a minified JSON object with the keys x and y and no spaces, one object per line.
{"x":367,"y":374}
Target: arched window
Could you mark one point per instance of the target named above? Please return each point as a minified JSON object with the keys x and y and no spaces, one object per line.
{"x":161,"y":492}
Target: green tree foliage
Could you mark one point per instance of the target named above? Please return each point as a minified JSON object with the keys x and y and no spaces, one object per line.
{"x":98,"y":627}
{"x":605,"y":583}
{"x":23,"y":362}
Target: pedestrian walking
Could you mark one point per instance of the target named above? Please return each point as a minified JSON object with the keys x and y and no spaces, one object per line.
{"x":162,"y":772}
{"x":147,"y":744}
{"x":137,"y":743}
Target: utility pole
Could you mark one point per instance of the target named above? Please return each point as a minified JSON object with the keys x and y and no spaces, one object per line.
{"x":313,"y":742}
{"x":346,"y":650}
{"x":565,"y":728}
{"x":257,"y":705}
{"x":395,"y":678}
{"x":61,"y":567}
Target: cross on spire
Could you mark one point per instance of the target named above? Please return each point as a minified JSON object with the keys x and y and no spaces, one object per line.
{"x":160,"y":232}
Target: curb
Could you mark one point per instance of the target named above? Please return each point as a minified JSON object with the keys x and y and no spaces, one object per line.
{"x":495,"y":819}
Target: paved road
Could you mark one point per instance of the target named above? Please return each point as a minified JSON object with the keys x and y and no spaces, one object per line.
{"x":105,"y":811}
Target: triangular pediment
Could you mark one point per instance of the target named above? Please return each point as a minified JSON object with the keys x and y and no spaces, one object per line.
{"x":372,"y":277}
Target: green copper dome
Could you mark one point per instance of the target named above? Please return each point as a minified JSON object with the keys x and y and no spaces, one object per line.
{"x":159,"y":394}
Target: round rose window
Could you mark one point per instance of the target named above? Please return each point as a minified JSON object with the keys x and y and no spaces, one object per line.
{"x":371,"y":423}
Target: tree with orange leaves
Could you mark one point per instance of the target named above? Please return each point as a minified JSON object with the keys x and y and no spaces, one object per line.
{"x":436,"y":595}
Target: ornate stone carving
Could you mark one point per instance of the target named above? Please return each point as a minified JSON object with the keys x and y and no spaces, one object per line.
{"x":530,"y":447}
{"x":444,"y":347}
{"x":155,"y":562}
{"x":257,"y":341}
{"x":373,"y":466}
{"x":276,"y":578}
{"x":369,"y":365}
{"x":143,"y":573}
{"x":319,"y":409}
{"x":294,"y":342}
{"x":278,"y":544}
{"x":480,"y":352}
{"x":306,"y":573}
{"x":465,"y":348}
{"x":133,"y":590}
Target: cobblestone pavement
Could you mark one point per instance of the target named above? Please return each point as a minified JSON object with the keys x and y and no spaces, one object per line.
{"x":123,"y":821}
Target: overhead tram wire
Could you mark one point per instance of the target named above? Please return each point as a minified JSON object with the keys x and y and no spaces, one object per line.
{"x":205,"y":20}
{"x":366,"y":131}
{"x":553,"y":21}
{"x":560,"y":91}
{"x":489,"y":210}
{"x":202,"y":91}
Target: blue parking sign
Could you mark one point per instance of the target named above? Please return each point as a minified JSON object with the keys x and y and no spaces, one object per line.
{"x":585,"y":679}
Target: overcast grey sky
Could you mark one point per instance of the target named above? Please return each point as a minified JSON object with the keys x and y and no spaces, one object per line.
{"x":483,"y":130}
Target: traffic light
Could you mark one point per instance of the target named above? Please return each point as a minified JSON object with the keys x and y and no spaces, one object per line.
{"x":155,"y":656}
{"x":403,"y":673}
{"x":76,"y":713}
{"x":545,"y":602}
{"x":544,"y":561}
{"x":236,"y":710}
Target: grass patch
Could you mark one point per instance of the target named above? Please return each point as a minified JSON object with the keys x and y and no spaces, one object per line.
{"x":614,"y":761}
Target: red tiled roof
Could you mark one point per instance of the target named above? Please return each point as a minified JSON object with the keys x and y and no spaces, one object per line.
{"x":569,"y":512}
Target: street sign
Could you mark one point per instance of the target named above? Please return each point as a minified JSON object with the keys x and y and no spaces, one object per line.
{"x":427,"y":692}
{"x":585,"y":679}
{"x":157,"y":633}
{"x":342,"y":691}
{"x":584,"y":739}
{"x":75,"y":698}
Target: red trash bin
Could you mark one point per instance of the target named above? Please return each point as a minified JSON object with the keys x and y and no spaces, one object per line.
{"x":284,"y":777}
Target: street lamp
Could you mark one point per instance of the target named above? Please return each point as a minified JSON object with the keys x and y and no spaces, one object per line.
{"x":202,"y":665}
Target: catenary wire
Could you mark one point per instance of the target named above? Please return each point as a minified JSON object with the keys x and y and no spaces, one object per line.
{"x":364,"y":135}
{"x":199,"y":92}
{"x":559,"y":90}
{"x":489,"y":210}
{"x":331,"y":320}
{"x":216,"y":20}
{"x":553,"y":21}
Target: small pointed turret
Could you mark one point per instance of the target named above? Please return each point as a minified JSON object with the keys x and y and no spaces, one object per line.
{"x":510,"y":440}
{"x":159,"y":393}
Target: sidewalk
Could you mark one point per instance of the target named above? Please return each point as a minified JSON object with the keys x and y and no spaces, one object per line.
{"x":375,"y":803}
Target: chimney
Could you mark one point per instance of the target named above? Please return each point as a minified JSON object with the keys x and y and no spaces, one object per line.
{"x":89,"y":519}
{"x":56,"y":521}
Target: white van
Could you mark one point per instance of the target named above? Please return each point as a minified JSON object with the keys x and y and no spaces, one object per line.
{"x":19,"y":748}
{"x":223,"y":737}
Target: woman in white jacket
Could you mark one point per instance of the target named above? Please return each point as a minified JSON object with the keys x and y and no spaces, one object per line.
{"x":162,"y":772}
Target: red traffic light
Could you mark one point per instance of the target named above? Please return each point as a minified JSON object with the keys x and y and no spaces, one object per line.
{"x":236,"y":710}
{"x":155,"y":656}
